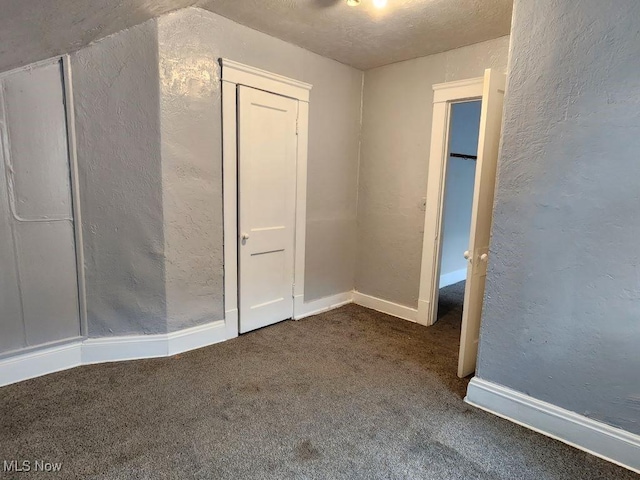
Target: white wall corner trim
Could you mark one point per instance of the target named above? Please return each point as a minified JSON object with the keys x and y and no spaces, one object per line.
{"x":114,"y":349}
{"x":597,"y":438}
{"x":321,"y":305}
{"x":385,"y":306}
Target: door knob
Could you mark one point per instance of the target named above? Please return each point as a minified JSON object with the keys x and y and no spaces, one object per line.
{"x":467,"y":255}
{"x":245,"y":236}
{"x":484,"y":257}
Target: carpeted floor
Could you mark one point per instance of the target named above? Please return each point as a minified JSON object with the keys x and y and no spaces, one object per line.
{"x":349,"y":394}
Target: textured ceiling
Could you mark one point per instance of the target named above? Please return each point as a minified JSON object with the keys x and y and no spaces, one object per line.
{"x":32,"y":30}
{"x":366,"y":37}
{"x":363,"y":36}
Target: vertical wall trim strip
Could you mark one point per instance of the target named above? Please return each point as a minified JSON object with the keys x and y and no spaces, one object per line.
{"x":67,"y":85}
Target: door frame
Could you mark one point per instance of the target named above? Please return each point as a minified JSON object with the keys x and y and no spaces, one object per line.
{"x":444,"y":95}
{"x":234,"y":74}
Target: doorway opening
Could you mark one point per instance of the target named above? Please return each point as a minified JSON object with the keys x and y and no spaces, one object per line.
{"x":460,"y":172}
{"x":439,"y":257}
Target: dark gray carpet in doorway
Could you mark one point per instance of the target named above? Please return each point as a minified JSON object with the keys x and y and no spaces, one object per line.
{"x":450,"y":301}
{"x":349,"y":394}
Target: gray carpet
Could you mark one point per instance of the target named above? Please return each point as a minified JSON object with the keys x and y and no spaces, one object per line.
{"x":349,"y":394}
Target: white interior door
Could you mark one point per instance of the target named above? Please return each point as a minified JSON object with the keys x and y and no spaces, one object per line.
{"x":267,"y":144}
{"x":478,"y":254}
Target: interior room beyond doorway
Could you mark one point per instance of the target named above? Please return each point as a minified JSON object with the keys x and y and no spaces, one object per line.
{"x":458,"y":202}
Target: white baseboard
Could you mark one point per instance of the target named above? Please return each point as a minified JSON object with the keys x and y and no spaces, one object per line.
{"x":136,"y":347}
{"x":321,"y":305}
{"x":231,"y":323}
{"x":385,"y":306}
{"x":196,"y":337}
{"x":452,"y":278}
{"x":100,"y":350}
{"x":597,"y":438}
{"x":40,"y":362}
{"x":115,"y":349}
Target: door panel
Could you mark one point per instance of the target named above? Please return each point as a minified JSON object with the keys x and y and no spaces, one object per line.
{"x":12,"y":336}
{"x":38,"y":271}
{"x":488,"y":147}
{"x":49,"y":282}
{"x":38,"y":141}
{"x":267,"y":145}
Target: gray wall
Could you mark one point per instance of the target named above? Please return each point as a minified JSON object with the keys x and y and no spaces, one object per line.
{"x":396,"y":134}
{"x":148,"y":118}
{"x":191,"y":42}
{"x":560,"y":321}
{"x":116,"y":96}
{"x":464,"y":130}
{"x":38,"y":282}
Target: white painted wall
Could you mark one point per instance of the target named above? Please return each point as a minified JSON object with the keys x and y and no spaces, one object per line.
{"x":394,"y":163}
{"x":458,"y":198}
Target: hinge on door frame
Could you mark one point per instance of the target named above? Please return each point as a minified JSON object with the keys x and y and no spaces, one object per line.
{"x":297,"y":125}
{"x":293,"y":290}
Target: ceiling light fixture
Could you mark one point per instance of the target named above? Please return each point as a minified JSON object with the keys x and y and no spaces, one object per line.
{"x":380,"y":3}
{"x":353,"y":3}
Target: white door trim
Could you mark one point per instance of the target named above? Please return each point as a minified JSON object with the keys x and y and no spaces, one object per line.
{"x":234,"y":74}
{"x":445,"y":94}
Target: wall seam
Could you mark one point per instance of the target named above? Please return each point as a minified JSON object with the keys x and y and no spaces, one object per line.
{"x":356,"y":251}
{"x":156,"y":22}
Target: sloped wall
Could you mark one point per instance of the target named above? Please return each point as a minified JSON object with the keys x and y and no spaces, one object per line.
{"x":116,"y":95}
{"x":33,"y":30}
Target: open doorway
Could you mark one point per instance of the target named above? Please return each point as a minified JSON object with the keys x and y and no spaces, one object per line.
{"x":450,"y":100}
{"x":460,"y":173}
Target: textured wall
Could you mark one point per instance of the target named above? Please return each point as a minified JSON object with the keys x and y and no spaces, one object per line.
{"x":116,"y":96}
{"x":396,"y":135}
{"x":560,"y":321}
{"x":191,"y":173}
{"x":191,"y":42}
